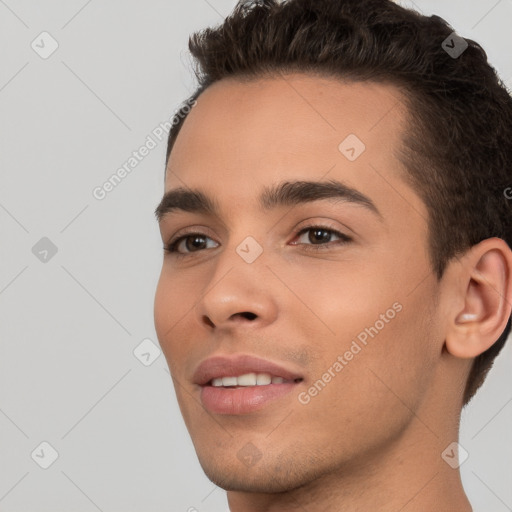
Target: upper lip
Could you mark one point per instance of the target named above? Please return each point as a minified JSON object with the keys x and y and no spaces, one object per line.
{"x":234,"y":366}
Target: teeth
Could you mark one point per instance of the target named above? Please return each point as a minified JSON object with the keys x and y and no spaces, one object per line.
{"x":248,"y":379}
{"x":229,"y":381}
{"x":262,"y":379}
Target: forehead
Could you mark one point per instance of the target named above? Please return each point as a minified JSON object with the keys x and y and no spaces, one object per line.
{"x":243,"y":135}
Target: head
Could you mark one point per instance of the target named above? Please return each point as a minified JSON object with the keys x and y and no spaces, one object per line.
{"x":417,"y":148}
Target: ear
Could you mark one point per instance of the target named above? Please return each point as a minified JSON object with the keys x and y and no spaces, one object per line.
{"x":483,"y":301}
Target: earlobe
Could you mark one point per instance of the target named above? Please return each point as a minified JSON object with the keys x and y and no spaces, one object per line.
{"x":486,"y":294}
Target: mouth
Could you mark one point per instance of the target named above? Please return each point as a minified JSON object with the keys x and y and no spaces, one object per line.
{"x":249,"y":380}
{"x":234,"y":385}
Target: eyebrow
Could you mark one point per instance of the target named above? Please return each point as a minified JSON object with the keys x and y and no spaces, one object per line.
{"x":282,"y":194}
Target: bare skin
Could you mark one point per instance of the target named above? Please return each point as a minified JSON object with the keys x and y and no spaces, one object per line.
{"x":372,"y":438}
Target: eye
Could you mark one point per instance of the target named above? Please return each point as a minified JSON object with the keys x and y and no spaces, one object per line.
{"x":192,"y":242}
{"x":317,"y":237}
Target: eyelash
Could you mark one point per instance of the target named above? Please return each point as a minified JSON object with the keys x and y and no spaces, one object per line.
{"x":171,"y":247}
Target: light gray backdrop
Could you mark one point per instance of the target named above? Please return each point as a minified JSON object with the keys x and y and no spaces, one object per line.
{"x":79,"y":364}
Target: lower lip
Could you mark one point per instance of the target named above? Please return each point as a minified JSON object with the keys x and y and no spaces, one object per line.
{"x":244,"y":400}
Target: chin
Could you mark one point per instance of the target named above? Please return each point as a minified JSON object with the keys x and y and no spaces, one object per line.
{"x":250,"y":480}
{"x":262,"y":477}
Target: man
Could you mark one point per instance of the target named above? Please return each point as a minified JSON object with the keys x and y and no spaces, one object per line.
{"x":337,"y":272}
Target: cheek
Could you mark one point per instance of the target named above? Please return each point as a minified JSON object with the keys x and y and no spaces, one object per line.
{"x":400,"y":360}
{"x":171,"y":306}
{"x":386,"y":378}
{"x":370,"y":318}
{"x":177,"y":292}
{"x":163,"y":307}
{"x":336,"y":299}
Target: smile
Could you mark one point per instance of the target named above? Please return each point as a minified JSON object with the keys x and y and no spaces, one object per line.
{"x":248,"y":379}
{"x":241,"y":383}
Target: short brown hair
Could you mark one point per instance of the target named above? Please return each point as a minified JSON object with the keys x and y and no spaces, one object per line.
{"x":457,"y":148}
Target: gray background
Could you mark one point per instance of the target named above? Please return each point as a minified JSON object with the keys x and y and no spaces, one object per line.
{"x":70,"y":324}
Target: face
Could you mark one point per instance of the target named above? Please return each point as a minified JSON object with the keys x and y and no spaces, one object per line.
{"x":329,"y":288}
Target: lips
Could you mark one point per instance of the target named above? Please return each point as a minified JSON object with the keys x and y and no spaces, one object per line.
{"x":228,"y":385}
{"x":224,"y":366}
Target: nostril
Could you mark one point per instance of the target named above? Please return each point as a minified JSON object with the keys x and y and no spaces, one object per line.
{"x":248,"y":315}
{"x":208,"y":321}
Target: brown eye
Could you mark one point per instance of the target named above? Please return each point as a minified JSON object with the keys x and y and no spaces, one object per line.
{"x":320,"y":235}
{"x":193,"y":242}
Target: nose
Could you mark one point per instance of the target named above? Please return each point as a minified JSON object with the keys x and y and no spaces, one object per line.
{"x":238,"y":294}
{"x":239,"y":318}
